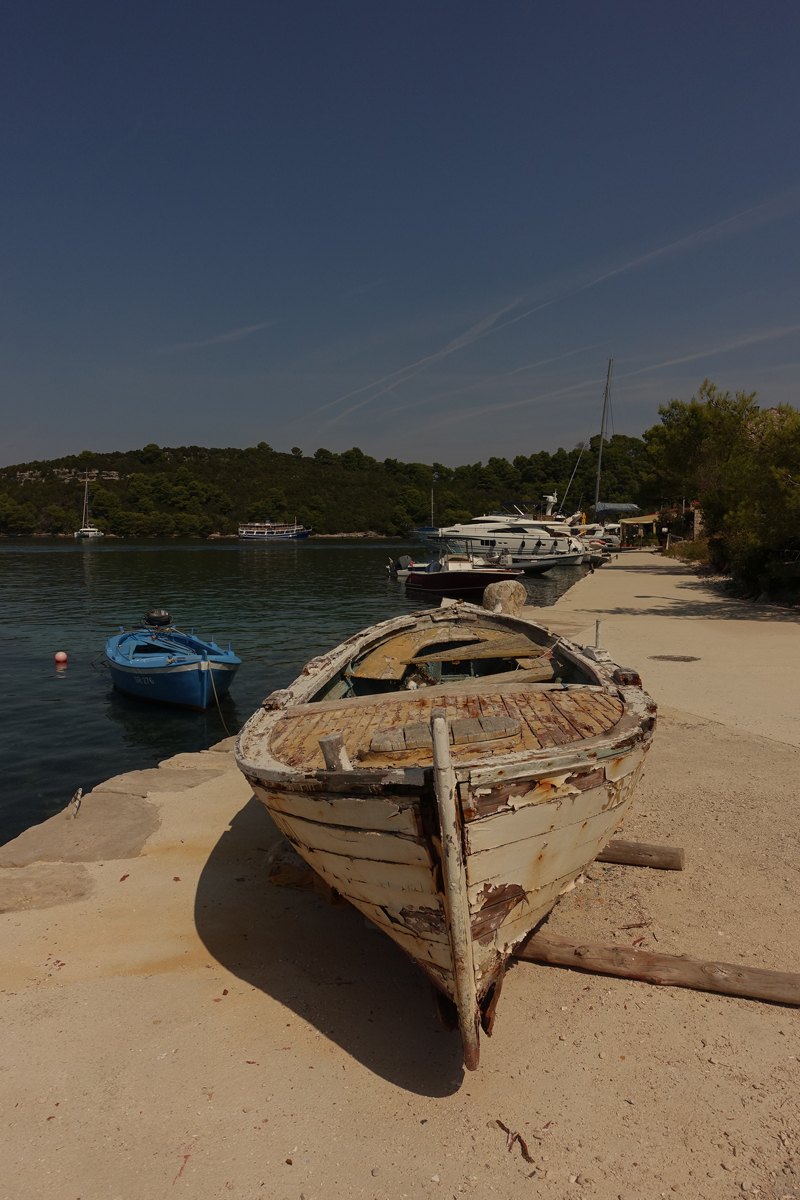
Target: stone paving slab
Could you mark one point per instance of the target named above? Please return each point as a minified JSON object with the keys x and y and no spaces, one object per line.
{"x":108,"y":825}
{"x":44,"y":885}
{"x":156,"y":779}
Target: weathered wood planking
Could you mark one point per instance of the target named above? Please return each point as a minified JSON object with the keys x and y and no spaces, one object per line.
{"x":536,"y":820}
{"x":409,"y":917}
{"x":624,"y":765}
{"x":355,"y":812}
{"x":491,"y":950}
{"x":546,"y":718}
{"x":383,"y":892}
{"x":534,"y":733}
{"x":531,"y":909}
{"x":481,"y":802}
{"x":357,"y":843}
{"x":426,"y":921}
{"x":417,"y":946}
{"x":387,"y":880}
{"x":536,"y":809}
{"x":536,"y":861}
{"x":588,"y":722}
{"x":390,"y":660}
{"x":497,"y":647}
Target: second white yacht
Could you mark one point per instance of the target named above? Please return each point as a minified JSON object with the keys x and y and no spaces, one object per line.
{"x":530,"y":545}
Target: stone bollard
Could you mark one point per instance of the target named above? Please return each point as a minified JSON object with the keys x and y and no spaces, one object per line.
{"x":506,"y":597}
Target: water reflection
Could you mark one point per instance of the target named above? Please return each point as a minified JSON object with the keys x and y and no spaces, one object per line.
{"x":156,"y":729}
{"x":279,"y":606}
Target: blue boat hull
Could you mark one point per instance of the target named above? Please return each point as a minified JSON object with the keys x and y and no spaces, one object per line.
{"x":186,"y":685}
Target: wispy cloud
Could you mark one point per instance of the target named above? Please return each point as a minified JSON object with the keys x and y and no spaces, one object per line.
{"x":545,"y":362}
{"x":597,"y":383}
{"x":559,"y":393}
{"x":364,"y":288}
{"x":750,"y":339}
{"x":742,"y":222}
{"x":230,"y":335}
{"x":465,"y":339}
{"x":490,"y":380}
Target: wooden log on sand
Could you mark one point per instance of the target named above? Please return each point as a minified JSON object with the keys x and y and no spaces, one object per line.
{"x":728,"y":979}
{"x":639,"y":854}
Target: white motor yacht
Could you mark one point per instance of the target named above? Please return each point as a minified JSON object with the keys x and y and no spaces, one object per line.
{"x":523,"y":542}
{"x":607,"y":534}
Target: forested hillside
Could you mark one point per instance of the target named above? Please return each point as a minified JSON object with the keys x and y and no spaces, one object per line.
{"x":192,"y":491}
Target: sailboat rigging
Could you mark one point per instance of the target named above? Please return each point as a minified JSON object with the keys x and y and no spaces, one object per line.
{"x":87,"y":529}
{"x":603,"y":431}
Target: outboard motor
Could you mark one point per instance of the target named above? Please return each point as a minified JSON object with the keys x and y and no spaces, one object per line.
{"x":157,"y":618}
{"x":403,"y":563}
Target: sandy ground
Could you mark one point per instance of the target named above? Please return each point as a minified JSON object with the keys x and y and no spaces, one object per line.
{"x":746,"y":655}
{"x":176,"y":1026}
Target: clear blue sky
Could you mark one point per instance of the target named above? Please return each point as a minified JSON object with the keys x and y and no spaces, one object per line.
{"x":416,"y":227}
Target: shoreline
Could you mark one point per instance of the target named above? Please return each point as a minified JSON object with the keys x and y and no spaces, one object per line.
{"x":195,"y":537}
{"x":179,"y":1023}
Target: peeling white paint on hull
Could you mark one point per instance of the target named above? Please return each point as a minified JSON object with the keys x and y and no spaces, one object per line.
{"x":545,"y":772}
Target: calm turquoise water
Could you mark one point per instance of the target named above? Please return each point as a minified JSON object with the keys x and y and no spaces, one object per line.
{"x":279,"y":606}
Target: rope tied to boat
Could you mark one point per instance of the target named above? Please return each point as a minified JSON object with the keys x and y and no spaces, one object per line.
{"x":216,"y":697}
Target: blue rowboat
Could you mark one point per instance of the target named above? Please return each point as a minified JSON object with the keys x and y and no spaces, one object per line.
{"x":159,"y":662}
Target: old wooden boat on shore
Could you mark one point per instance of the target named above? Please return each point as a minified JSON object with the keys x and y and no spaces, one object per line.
{"x":451,"y":773}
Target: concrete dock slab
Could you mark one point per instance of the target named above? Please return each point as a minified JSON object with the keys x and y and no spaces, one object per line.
{"x":176,"y":1026}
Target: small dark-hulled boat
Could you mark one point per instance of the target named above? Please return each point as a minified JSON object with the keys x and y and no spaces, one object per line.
{"x":451,"y":773}
{"x":457,"y":575}
{"x":159,"y":662}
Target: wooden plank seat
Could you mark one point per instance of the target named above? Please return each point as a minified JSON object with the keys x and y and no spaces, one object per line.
{"x":500,"y":647}
{"x":392,"y":657}
{"x":416,"y":735}
{"x":394,"y":729}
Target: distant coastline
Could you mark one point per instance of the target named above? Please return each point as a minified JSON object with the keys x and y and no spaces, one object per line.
{"x":209,"y":537}
{"x":192,"y":491}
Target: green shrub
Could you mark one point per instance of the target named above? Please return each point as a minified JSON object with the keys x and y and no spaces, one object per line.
{"x":694,"y":552}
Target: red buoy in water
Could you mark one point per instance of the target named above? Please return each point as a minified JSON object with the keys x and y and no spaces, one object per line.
{"x":61,"y":657}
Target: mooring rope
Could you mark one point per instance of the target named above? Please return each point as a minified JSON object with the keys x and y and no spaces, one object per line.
{"x":216,"y":697}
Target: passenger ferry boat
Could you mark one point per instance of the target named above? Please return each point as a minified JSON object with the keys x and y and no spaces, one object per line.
{"x":273,"y":531}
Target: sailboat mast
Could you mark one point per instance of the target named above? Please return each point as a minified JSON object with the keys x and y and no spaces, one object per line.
{"x":602,"y":433}
{"x":85,"y":519}
{"x":572,"y":476}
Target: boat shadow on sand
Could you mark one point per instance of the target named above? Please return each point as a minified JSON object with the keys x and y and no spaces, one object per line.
{"x":352,"y":983}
